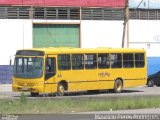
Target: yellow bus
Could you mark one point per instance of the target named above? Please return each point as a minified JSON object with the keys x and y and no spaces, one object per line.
{"x":61,"y":70}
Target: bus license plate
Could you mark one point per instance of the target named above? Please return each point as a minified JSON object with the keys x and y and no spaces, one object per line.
{"x":25,"y":89}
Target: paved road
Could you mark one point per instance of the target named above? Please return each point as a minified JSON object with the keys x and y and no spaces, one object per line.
{"x":136,"y":91}
{"x":140,"y":114}
{"x":120,"y":114}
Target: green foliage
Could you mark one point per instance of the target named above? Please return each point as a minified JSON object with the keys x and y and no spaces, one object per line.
{"x":51,"y":106}
{"x":23,"y":98}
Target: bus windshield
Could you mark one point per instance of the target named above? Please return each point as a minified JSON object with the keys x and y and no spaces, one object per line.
{"x":28,"y":67}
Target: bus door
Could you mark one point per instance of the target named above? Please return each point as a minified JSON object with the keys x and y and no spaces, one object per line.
{"x":50,"y":72}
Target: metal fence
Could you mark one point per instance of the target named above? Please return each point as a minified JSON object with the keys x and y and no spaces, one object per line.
{"x":6,"y":74}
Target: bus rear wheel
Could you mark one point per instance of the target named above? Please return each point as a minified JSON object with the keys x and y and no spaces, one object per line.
{"x":118,"y":85}
{"x":60,"y":89}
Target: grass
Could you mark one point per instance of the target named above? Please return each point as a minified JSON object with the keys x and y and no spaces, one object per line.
{"x":51,"y":106}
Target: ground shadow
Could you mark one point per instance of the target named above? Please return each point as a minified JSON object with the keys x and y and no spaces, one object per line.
{"x":85,"y":93}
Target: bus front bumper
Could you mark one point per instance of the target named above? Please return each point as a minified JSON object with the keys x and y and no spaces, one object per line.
{"x":36,"y":88}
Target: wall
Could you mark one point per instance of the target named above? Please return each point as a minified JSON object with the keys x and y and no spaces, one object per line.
{"x":146,"y":34}
{"x":101,"y":34}
{"x":15,"y":34}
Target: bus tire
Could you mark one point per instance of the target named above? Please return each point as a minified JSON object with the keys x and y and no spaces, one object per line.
{"x":34,"y":94}
{"x":60,"y":89}
{"x":118,"y":85}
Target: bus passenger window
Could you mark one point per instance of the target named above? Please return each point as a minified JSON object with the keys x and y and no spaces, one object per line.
{"x":116,"y":60}
{"x":103,"y":61}
{"x":64,"y":62}
{"x":77,"y":61}
{"x":90,"y":61}
{"x":139,"y":60}
{"x":128,"y":60}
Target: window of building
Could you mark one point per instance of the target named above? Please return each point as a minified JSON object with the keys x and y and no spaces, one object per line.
{"x":102,"y":14}
{"x":73,"y":13}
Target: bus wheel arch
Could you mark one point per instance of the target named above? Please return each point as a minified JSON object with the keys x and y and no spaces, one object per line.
{"x":118,"y":85}
{"x":62,"y":87}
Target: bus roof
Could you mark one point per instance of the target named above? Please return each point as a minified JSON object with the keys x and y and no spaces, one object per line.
{"x":64,"y":50}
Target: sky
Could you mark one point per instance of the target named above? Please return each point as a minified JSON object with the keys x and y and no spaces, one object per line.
{"x":145,"y":4}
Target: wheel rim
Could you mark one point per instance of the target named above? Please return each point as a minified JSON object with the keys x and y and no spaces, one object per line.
{"x":61,"y":89}
{"x":119,"y":87}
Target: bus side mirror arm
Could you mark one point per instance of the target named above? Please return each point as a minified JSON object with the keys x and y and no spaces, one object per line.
{"x":10,"y":62}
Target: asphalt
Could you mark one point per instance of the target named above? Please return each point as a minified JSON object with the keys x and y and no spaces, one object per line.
{"x":132,"y":111}
{"x":146,"y":114}
{"x":136,"y":114}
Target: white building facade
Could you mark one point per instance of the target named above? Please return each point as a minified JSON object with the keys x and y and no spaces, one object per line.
{"x":87,"y":26}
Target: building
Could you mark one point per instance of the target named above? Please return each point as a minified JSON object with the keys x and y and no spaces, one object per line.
{"x":77,"y":23}
{"x":144,"y":30}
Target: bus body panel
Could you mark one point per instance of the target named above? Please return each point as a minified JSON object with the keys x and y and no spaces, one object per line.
{"x":34,"y":85}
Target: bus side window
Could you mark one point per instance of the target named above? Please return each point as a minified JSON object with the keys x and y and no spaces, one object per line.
{"x":64,"y":62}
{"x":116,"y":60}
{"x":103,"y":61}
{"x":77,"y":61}
{"x":128,"y":60}
{"x":50,"y":67}
{"x":139,"y":60}
{"x":90,"y":61}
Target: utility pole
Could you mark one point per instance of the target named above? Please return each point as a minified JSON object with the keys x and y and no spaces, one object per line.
{"x":126,"y":25}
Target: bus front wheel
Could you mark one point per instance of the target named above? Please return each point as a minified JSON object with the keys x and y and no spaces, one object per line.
{"x":118,"y":85}
{"x":60,"y":89}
